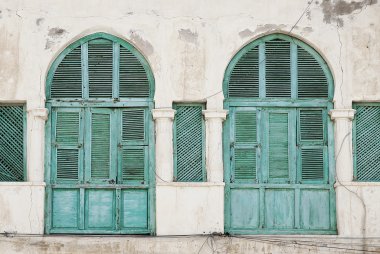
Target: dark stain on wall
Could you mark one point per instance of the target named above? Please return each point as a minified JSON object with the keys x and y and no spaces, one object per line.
{"x":56,"y":32}
{"x":333,"y":10}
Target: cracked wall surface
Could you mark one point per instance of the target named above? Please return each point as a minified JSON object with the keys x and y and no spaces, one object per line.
{"x":188,"y":46}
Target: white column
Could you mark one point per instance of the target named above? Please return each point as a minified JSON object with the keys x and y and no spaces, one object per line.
{"x":36,"y":144}
{"x":344,"y":171}
{"x":164,"y":144}
{"x":343,"y":143}
{"x":214,"y":144}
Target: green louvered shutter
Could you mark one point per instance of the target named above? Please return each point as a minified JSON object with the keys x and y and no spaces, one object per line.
{"x":244,"y":78}
{"x":312,"y":145}
{"x":100,"y":68}
{"x":367,"y":140}
{"x":100,"y":144}
{"x":189,"y":143}
{"x":134,"y":144}
{"x":244,"y":146}
{"x":277,"y":68}
{"x":133,"y":78}
{"x":312,"y":81}
{"x":12,"y":143}
{"x":278,"y":145}
{"x":67,"y":79}
{"x":68,"y":145}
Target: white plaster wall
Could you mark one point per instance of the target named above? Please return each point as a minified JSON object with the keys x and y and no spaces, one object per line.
{"x":22,"y":208}
{"x":189,"y":208}
{"x":188,"y":45}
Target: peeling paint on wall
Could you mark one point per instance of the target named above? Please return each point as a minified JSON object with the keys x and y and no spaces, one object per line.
{"x":188,"y":36}
{"x":269,"y":27}
{"x":246,"y":33}
{"x":333,"y":10}
{"x":39,"y":21}
{"x":145,"y":45}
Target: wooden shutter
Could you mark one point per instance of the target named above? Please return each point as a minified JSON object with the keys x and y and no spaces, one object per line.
{"x":133,"y":78}
{"x":134,"y":151}
{"x":12,"y":143}
{"x":67,"y":79}
{"x":67,"y":143}
{"x":311,"y":144}
{"x":312,"y":81}
{"x":278,"y":145}
{"x":277,"y":68}
{"x":100,"y":68}
{"x":189,"y":143}
{"x":100,"y":144}
{"x":244,"y":145}
{"x":367,"y":142}
{"x":244,"y":79}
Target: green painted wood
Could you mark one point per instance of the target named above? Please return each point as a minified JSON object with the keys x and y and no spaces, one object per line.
{"x":277,"y":68}
{"x":278,"y":145}
{"x":287,"y":68}
{"x":12,"y":143}
{"x":100,"y":68}
{"x":189,"y":142}
{"x":245,"y":145}
{"x":65,"y":212}
{"x":110,"y":69}
{"x":366,"y":142}
{"x":134,"y":209}
{"x":294,"y":143}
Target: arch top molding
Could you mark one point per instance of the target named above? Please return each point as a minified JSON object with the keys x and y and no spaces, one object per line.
{"x":100,"y":65}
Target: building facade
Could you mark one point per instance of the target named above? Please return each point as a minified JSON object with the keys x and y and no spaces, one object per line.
{"x":162,"y":118}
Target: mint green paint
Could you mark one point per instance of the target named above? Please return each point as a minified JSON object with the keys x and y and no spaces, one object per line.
{"x":286,"y":204}
{"x":106,"y":204}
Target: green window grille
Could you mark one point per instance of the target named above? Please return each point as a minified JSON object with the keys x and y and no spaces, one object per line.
{"x":278,"y":152}
{"x":99,"y":141}
{"x":12,"y":144}
{"x":366,"y":140}
{"x":189,"y":143}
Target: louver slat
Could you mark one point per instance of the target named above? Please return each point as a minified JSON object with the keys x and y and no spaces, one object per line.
{"x":311,"y":125}
{"x":277,"y":68}
{"x":244,"y":79}
{"x":133,"y":79}
{"x":278,"y":145}
{"x":133,"y":163}
{"x":11,"y":143}
{"x":189,"y":143}
{"x":133,"y":122}
{"x":100,"y":65}
{"x":312,"y":81}
{"x":367,"y":143}
{"x":312,"y":163}
{"x":245,"y":145}
{"x":67,"y":140}
{"x":67,"y":79}
{"x":100,"y":145}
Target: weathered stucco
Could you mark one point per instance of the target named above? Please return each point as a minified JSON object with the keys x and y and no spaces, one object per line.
{"x":188,"y":46}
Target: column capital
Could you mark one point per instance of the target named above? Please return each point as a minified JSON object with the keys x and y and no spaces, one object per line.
{"x":163,"y":113}
{"x":40,"y":113}
{"x":347,"y":114}
{"x":210,"y":114}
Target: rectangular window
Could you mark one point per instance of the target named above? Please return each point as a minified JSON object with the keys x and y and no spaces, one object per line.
{"x":189,"y":143}
{"x":366,"y":141}
{"x":12,"y":144}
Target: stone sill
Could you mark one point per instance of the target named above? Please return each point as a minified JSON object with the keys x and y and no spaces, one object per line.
{"x":357,"y":184}
{"x":190,"y":184}
{"x":22,"y":184}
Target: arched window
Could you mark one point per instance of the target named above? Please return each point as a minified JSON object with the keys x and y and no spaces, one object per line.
{"x":99,"y":139}
{"x":279,"y":164}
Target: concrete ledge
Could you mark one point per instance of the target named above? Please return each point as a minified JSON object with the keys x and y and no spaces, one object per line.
{"x":208,"y":244}
{"x":357,"y":184}
{"x":19,"y":184}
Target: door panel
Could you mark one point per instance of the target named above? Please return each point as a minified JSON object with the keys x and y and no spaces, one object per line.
{"x":279,"y":209}
{"x":245,"y":208}
{"x":65,"y":208}
{"x":100,"y":209}
{"x":134,"y":209}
